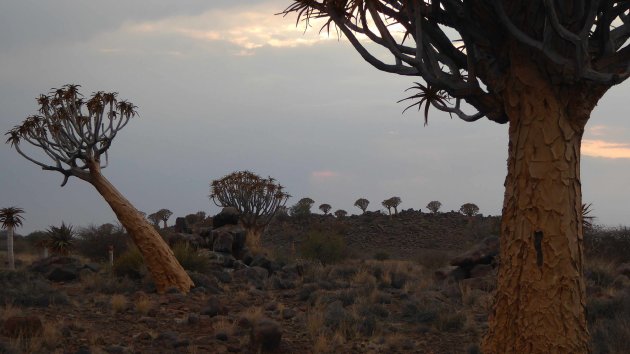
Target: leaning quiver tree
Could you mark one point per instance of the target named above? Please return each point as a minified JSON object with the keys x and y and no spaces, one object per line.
{"x":76,"y":134}
{"x":257,"y":199}
{"x":541,"y":66}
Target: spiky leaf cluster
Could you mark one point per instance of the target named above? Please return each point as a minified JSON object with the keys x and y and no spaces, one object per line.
{"x":362,"y":204}
{"x":61,"y":239}
{"x":256,"y":198}
{"x":10,"y":217}
{"x":72,"y":131}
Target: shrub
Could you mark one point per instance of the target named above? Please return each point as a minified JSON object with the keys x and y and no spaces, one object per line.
{"x":94,"y":241}
{"x":130,"y":264}
{"x":324,"y":247}
{"x":190,"y":259}
{"x":61,"y":239}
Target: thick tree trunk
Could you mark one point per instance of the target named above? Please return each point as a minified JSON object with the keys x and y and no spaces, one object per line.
{"x":158,"y":257}
{"x":10,"y":254}
{"x":540,"y":299}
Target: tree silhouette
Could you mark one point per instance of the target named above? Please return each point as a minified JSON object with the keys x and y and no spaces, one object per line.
{"x":362,"y":204}
{"x":541,"y":66}
{"x":469,"y":209}
{"x":10,"y":218}
{"x":76,"y":135}
{"x":434,"y":206}
{"x":302,"y":208}
{"x":164,"y":215}
{"x":257,"y":199}
{"x":155,"y":219}
{"x":387,"y":203}
{"x":395,"y":202}
{"x":325,"y":208}
{"x":340,"y":213}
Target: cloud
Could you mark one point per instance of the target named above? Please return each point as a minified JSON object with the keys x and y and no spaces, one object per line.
{"x":247,"y":27}
{"x":325,"y":174}
{"x":605,"y":149}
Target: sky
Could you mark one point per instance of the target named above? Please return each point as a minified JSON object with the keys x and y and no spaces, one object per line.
{"x":223,"y":86}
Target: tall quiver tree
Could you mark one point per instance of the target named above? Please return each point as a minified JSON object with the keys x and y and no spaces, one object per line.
{"x":541,"y":66}
{"x":362,"y":204}
{"x":10,"y":218}
{"x":164,"y":215}
{"x":76,"y":134}
{"x":257,"y":199}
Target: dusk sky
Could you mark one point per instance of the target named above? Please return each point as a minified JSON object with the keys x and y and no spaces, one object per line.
{"x":226,"y":85}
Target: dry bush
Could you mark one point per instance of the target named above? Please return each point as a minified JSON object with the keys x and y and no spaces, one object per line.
{"x":434,"y":259}
{"x":143,"y":305}
{"x":119,"y":303}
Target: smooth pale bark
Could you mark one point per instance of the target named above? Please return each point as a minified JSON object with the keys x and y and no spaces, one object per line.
{"x":158,"y":256}
{"x":540,"y":299}
{"x":10,"y":254}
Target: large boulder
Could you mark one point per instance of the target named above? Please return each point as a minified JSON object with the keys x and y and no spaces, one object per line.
{"x":181,"y":226}
{"x":59,"y":269}
{"x":222,"y":241}
{"x":229,"y":239}
{"x":483,"y":253}
{"x":227,"y":216}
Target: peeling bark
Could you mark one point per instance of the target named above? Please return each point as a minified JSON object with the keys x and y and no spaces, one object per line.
{"x":158,"y":256}
{"x":540,"y":299}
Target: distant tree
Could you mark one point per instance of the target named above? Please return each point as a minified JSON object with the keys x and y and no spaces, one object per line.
{"x":469,"y":209}
{"x":61,"y":239}
{"x":362,"y":204}
{"x":325,"y":208}
{"x":257,"y":199}
{"x":155,"y":218}
{"x":340,"y":213}
{"x":540,"y":66}
{"x":164,"y":215}
{"x":395,"y":202}
{"x":302,"y":208}
{"x":76,"y":134}
{"x":388,"y":205}
{"x":434,"y":206}
{"x":10,"y":218}
{"x":94,"y":241}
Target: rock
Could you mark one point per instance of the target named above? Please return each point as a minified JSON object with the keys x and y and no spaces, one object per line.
{"x":202,"y":280}
{"x":261,"y":261}
{"x":222,"y":241}
{"x":335,"y":315}
{"x":483,"y":253}
{"x":254,"y":275}
{"x":181,"y":226}
{"x":444,"y":272}
{"x":398,"y":280}
{"x":288,"y":313}
{"x":481,"y":270}
{"x":221,"y":335}
{"x":266,"y":334}
{"x":63,"y":274}
{"x":22,"y":326}
{"x":223,"y":277}
{"x":214,"y":307}
{"x":239,"y":265}
{"x":624,"y":269}
{"x":227,"y":216}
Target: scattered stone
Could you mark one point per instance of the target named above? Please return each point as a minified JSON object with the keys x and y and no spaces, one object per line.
{"x":254,"y":275}
{"x":214,"y":307}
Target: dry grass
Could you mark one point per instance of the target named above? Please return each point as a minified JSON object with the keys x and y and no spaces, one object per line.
{"x":143,"y":305}
{"x":9,"y":311}
{"x":315,"y":323}
{"x":321,"y":345}
{"x":119,"y":303}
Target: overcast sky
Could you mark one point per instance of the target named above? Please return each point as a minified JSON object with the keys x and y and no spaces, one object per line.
{"x":225,"y":85}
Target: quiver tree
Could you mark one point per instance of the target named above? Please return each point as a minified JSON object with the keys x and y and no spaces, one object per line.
{"x":362,"y":204}
{"x":302,"y":208}
{"x":340,"y":213}
{"x":469,"y":209}
{"x":76,"y":134}
{"x":61,"y":239}
{"x":395,"y":202}
{"x":388,"y":205}
{"x":325,"y":208}
{"x":434,"y":206}
{"x":155,"y":219}
{"x":541,"y":66}
{"x":10,"y":218}
{"x":257,"y":199}
{"x":164,"y":215}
